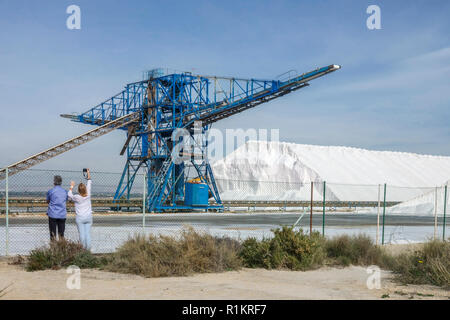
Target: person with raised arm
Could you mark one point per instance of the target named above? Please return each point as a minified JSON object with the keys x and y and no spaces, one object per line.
{"x":83,"y":210}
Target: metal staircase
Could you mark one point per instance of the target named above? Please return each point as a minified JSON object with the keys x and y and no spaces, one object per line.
{"x":159,"y":182}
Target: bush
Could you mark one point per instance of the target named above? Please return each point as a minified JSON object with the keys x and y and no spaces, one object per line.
{"x":428,"y":265}
{"x":162,"y":256}
{"x":256,"y":254}
{"x":357,"y":250}
{"x":289,"y":249}
{"x":61,"y":253}
{"x":193,"y":252}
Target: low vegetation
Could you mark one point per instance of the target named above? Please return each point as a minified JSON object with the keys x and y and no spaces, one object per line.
{"x":428,"y":265}
{"x":356,"y":250}
{"x":297,"y":250}
{"x":162,"y":256}
{"x":59,"y":254}
{"x":289,"y":249}
{"x":194,"y":252}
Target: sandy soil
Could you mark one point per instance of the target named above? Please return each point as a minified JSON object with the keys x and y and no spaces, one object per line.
{"x":325,"y":283}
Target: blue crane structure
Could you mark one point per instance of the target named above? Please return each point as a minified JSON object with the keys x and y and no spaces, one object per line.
{"x":164,"y":105}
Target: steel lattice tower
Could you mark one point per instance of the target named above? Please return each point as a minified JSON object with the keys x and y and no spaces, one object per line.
{"x":163,"y":105}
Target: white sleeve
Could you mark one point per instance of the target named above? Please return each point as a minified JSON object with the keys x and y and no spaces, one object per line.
{"x":71,"y":196}
{"x":88,"y":187}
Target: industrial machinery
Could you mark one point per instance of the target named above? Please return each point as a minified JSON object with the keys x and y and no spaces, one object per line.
{"x":166,"y":117}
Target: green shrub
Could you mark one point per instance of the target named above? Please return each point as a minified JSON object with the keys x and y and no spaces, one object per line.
{"x":85,"y":259}
{"x":428,"y":265}
{"x":357,"y":250}
{"x":255,"y":254}
{"x":289,"y":249}
{"x":161,"y":256}
{"x":61,"y":253}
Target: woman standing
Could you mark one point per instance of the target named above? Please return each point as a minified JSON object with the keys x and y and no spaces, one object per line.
{"x":83,"y":210}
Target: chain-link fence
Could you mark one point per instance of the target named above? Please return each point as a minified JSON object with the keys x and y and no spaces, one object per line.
{"x":388,"y":214}
{"x":27,"y":227}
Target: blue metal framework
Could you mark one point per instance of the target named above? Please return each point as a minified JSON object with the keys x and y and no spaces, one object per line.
{"x":167,"y":102}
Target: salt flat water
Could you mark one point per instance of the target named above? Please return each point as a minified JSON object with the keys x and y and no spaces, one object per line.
{"x":110,"y":231}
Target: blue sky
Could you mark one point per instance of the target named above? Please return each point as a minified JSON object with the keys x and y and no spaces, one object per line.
{"x":392,"y":92}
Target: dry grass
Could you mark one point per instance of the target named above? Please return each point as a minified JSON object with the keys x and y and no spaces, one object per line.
{"x":61,"y":253}
{"x":163,"y":256}
{"x":17,"y":260}
{"x":356,"y":250}
{"x":428,"y":265}
{"x":194,"y":252}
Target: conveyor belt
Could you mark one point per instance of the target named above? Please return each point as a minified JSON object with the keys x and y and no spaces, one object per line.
{"x":69,"y":144}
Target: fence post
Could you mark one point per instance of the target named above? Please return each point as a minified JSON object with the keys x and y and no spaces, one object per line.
{"x":435,"y":212}
{"x":384,"y":214}
{"x":312,"y":204}
{"x":445,"y":212}
{"x":143,"y":200}
{"x":378,"y":215}
{"x":7,"y":212}
{"x":323,"y":216}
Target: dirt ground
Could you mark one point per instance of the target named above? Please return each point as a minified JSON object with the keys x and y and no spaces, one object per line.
{"x":325,"y":283}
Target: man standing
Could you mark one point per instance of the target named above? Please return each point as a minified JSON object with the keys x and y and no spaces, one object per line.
{"x":56,"y":199}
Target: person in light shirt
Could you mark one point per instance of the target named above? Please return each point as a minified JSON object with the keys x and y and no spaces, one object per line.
{"x":83,"y":210}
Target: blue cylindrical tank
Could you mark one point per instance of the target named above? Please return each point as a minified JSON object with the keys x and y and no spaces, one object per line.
{"x":196,"y":194}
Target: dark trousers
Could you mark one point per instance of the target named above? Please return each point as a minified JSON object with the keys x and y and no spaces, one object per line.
{"x":54,"y":224}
